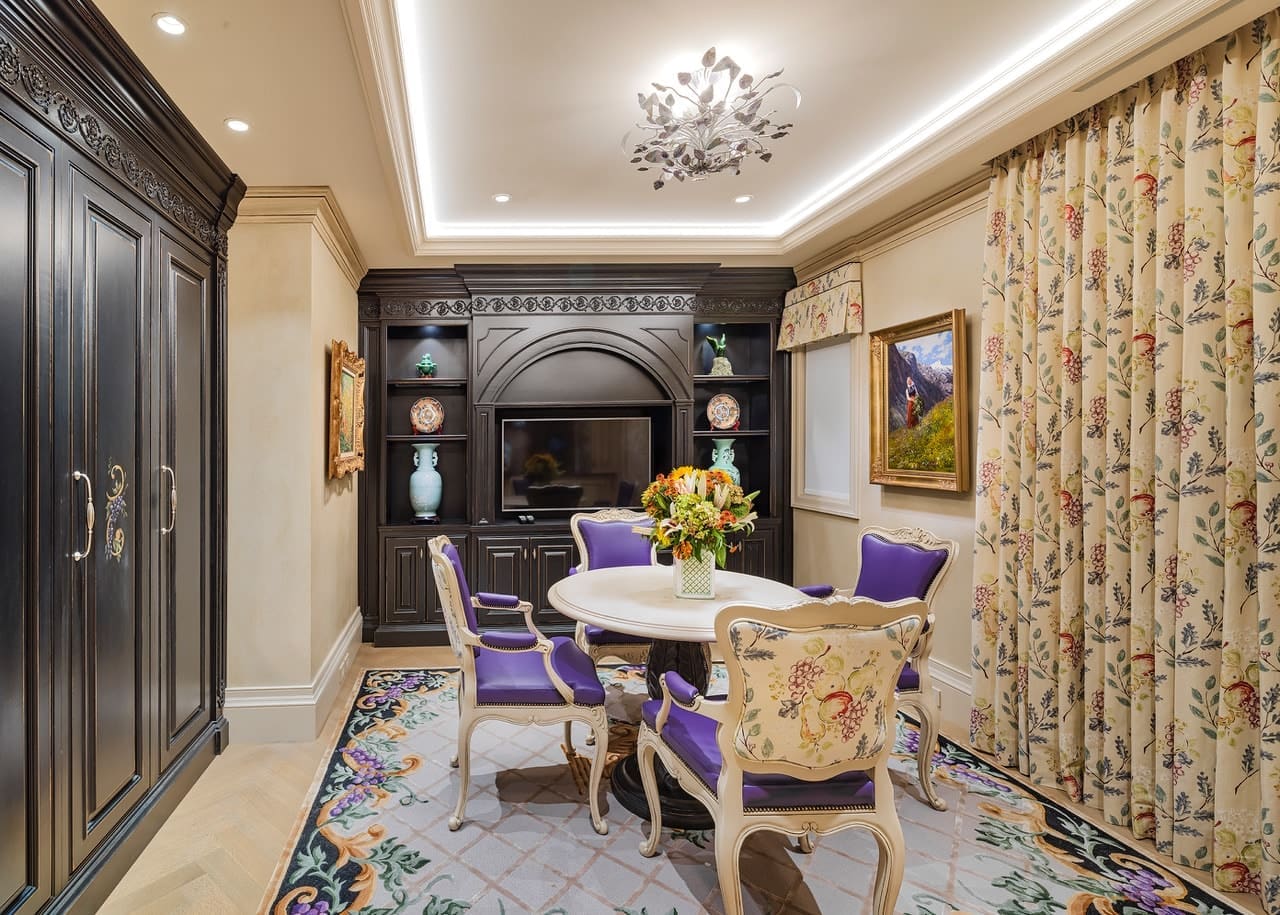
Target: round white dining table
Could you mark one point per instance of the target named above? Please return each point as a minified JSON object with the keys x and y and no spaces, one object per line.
{"x":640,"y":601}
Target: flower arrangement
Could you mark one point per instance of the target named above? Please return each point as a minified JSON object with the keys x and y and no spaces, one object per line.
{"x":695,"y":510}
{"x":541,"y":467}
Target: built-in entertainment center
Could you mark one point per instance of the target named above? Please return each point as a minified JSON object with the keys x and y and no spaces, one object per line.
{"x":552,"y":389}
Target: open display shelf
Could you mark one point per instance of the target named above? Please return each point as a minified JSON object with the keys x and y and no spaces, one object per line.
{"x":750,"y":347}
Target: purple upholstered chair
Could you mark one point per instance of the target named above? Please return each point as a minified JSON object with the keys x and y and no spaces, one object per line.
{"x":518,"y":677}
{"x":607,"y":539}
{"x":811,"y":759}
{"x":896,"y":564}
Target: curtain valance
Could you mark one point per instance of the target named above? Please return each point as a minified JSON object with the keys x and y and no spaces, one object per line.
{"x":826,"y":308}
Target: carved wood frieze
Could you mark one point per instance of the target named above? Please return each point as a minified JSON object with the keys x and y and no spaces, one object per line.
{"x":736,"y":305}
{"x":583,"y":304}
{"x":415,"y":308}
{"x":88,"y":130}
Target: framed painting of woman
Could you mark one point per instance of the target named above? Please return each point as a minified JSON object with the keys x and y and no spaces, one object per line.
{"x":920,"y":404}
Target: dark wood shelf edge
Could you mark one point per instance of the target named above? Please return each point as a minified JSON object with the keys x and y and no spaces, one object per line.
{"x":730,"y":433}
{"x":427,"y":383}
{"x":426,"y":439}
{"x":731,"y":379}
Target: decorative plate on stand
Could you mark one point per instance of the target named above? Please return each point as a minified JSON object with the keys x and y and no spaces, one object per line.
{"x":723,"y":412}
{"x":426,"y":416}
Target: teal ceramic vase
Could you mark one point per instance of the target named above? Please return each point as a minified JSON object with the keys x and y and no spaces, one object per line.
{"x":722,"y":458}
{"x":425,"y":483}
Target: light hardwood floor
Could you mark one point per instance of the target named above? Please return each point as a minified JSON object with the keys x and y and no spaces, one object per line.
{"x":219,"y":850}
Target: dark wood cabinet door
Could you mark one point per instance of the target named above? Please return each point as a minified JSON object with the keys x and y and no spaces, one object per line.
{"x":179,"y":482}
{"x":553,"y":556}
{"x":26,"y":212}
{"x":108,"y":427}
{"x":758,"y":555}
{"x":404,"y":580}
{"x":502,"y":567}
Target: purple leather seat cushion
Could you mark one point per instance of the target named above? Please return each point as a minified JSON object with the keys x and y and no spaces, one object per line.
{"x":693,"y":738}
{"x":908,"y":680}
{"x":892,"y":571}
{"x":597,"y":636}
{"x":520,"y":678}
{"x":610,"y":544}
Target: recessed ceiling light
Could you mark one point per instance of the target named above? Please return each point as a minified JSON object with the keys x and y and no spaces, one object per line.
{"x":744,"y":198}
{"x":167,"y":22}
{"x":236,"y":124}
{"x":501,"y":198}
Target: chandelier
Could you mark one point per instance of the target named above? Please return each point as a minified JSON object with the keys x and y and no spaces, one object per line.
{"x":709,"y":123}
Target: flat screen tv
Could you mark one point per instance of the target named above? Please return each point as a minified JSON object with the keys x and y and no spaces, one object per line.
{"x":575,"y":464}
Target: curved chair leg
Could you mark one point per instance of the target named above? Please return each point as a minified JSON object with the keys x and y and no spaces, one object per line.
{"x":889,"y":868}
{"x":597,"y":770}
{"x":453,"y":760}
{"x":649,"y":778}
{"x":924,"y":753}
{"x":465,"y":727}
{"x":728,"y":849}
{"x":806,"y":843}
{"x":568,"y":736}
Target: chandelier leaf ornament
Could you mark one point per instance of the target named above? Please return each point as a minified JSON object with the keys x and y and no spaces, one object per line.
{"x":711,"y":122}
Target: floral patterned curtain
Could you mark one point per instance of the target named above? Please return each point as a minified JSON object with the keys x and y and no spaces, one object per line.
{"x":1127,"y":586}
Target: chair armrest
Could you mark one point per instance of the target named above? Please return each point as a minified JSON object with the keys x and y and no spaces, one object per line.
{"x":821,"y":592}
{"x":509,"y":641}
{"x":682,"y":691}
{"x":492,"y":601}
{"x":487,"y":601}
{"x":678,"y":690}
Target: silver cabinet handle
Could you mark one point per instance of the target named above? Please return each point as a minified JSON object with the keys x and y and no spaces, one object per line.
{"x":173,"y":499}
{"x":88,"y":515}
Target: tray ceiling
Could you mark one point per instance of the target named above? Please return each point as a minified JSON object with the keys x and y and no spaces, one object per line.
{"x":417,"y":112}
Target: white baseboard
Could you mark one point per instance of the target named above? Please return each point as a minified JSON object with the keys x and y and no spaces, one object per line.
{"x":272,"y":714}
{"x":955,"y":688}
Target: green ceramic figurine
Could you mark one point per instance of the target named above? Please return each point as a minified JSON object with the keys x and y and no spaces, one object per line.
{"x":720,"y":364}
{"x":426,"y":368}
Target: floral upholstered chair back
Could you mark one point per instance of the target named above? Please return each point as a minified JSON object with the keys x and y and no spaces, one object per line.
{"x":811,"y":688}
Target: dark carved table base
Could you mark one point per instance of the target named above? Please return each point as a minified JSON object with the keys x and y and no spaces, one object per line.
{"x":691,"y":660}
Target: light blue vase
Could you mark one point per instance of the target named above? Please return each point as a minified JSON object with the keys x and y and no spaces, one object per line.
{"x":425,"y":484}
{"x":722,"y":458}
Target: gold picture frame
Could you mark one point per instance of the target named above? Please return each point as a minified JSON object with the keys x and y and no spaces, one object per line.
{"x":919,"y":415}
{"x":346,"y":411}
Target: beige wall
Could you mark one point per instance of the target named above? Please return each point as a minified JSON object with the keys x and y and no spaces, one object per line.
{"x":334,"y":513}
{"x":924,"y":270}
{"x":268,"y":488}
{"x":291,"y":575}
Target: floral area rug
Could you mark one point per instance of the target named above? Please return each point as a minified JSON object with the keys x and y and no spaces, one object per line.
{"x":376,"y":839}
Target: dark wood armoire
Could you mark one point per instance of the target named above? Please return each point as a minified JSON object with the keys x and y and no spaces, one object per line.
{"x":113,"y":225}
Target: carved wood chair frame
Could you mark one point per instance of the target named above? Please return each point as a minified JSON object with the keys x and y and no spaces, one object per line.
{"x":920,"y":699}
{"x":733,"y":822}
{"x":628,"y":653}
{"x":472,"y":712}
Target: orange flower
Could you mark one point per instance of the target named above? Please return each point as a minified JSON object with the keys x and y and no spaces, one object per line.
{"x":683,"y":551}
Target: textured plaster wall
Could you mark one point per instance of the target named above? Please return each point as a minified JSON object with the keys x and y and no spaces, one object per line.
{"x":268,"y":490}
{"x":291,"y":575}
{"x":334,"y":513}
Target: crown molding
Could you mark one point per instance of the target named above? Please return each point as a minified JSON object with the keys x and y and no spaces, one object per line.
{"x":314,"y":206}
{"x":956,"y":202}
{"x":375,"y":43}
{"x":1108,"y":52}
